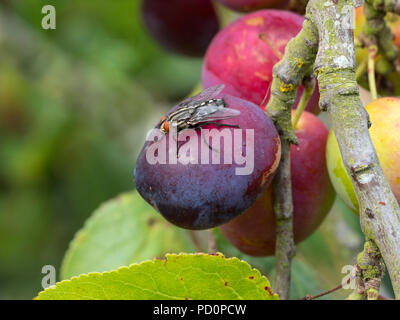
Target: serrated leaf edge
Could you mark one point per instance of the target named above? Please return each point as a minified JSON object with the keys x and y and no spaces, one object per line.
{"x":167,"y":256}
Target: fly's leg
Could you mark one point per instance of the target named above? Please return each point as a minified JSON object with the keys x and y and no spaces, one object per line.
{"x":177,"y":150}
{"x":176,"y":140}
{"x":205,"y":141}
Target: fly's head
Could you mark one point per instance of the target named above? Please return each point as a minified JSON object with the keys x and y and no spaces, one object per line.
{"x":164,"y":125}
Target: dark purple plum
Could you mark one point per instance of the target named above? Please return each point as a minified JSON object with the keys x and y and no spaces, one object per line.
{"x":181,"y":26}
{"x":197,"y":195}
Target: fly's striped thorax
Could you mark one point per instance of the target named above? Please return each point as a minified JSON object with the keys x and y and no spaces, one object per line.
{"x":177,"y":114}
{"x":185,"y":112}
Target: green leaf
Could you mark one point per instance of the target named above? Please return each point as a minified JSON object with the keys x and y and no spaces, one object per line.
{"x":178,"y":276}
{"x":122,"y":231}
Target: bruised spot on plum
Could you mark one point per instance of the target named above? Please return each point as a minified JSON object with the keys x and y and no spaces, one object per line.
{"x":181,"y":278}
{"x":265,"y":177}
{"x":226,"y":283}
{"x":251,"y":277}
{"x":255,"y":21}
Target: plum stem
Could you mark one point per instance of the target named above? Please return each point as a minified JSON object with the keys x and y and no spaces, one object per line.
{"x":372,"y":50}
{"x":326,"y":45}
{"x":309,"y":85}
{"x":212,"y":243}
{"x":263,"y":36}
{"x":361,"y":68}
{"x":196,"y":241}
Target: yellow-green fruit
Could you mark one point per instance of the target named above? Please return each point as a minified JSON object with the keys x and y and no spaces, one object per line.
{"x":385,"y":135}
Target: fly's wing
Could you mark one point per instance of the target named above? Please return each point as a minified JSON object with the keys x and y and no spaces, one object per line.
{"x":212,"y":113}
{"x":205,"y":95}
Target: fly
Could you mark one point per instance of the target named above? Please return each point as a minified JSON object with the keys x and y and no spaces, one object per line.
{"x":199,"y":111}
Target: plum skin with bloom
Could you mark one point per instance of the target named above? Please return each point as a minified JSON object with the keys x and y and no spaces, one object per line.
{"x":242,"y":56}
{"x":254,"y":231}
{"x":202,"y":196}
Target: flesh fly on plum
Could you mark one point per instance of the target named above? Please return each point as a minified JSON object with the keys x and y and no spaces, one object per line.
{"x":199,"y":111}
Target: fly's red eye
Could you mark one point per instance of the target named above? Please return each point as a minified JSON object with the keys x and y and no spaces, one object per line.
{"x":165,"y":126}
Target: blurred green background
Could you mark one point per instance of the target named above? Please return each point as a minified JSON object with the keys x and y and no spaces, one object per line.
{"x":75,"y":105}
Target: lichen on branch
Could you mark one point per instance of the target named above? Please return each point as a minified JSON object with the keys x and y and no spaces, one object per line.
{"x":288,"y":73}
{"x":369,"y":270}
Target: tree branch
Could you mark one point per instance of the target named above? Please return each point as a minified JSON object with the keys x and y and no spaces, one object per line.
{"x":283,"y":209}
{"x":327,"y":39}
{"x":335,"y":69}
{"x":295,"y":65}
